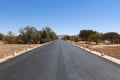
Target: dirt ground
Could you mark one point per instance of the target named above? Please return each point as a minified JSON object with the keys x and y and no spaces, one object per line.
{"x":110,"y":50}
{"x":8,"y":49}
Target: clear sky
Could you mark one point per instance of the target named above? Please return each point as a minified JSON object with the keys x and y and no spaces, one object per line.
{"x":63,"y":16}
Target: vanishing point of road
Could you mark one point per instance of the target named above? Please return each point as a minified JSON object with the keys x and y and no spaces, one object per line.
{"x":59,"y":60}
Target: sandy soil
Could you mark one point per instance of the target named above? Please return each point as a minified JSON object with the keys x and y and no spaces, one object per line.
{"x":8,"y":49}
{"x":110,"y":50}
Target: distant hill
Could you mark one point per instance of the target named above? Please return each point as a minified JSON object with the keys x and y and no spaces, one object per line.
{"x":61,"y":36}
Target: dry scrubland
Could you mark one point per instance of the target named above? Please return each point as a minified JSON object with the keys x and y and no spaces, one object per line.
{"x":8,"y":49}
{"x":111,"y":50}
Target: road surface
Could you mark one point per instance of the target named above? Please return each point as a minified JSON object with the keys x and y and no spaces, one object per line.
{"x":59,"y":61}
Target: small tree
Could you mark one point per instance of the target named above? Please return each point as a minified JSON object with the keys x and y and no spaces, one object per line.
{"x":1,"y":36}
{"x":67,"y":37}
{"x":84,"y":34}
{"x":75,"y":38}
{"x":10,"y":38}
{"x":27,"y":34}
{"x":47,"y":35}
{"x":53,"y":36}
{"x":112,"y":36}
{"x":95,"y":37}
{"x":37,"y":37}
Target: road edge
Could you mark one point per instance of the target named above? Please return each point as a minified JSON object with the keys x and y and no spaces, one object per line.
{"x":112,"y":59}
{"x":22,"y":52}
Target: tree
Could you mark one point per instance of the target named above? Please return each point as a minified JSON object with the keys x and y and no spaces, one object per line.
{"x":117,"y":41}
{"x":37,"y":37}
{"x":95,"y":37}
{"x":84,"y":34}
{"x":53,"y":36}
{"x":47,"y":35}
{"x":75,"y":38}
{"x":10,"y":38}
{"x":67,"y":37}
{"x":112,"y":36}
{"x":27,"y":34}
{"x":1,"y":36}
{"x":30,"y":35}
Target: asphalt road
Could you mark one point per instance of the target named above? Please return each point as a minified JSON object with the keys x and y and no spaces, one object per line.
{"x":59,"y":61}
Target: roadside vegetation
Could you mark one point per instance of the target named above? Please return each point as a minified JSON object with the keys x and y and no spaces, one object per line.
{"x":28,"y":37}
{"x":90,"y":36}
{"x":107,"y":43}
{"x":10,"y":49}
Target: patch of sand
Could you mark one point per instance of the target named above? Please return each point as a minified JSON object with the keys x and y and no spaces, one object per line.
{"x":110,"y":50}
{"x":8,"y":49}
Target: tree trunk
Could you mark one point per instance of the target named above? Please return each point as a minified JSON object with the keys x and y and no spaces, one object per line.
{"x":96,"y":42}
{"x":86,"y":41}
{"x":111,"y":41}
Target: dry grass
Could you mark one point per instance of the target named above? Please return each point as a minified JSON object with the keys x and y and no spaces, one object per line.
{"x":8,"y":49}
{"x":113,"y":51}
{"x":110,"y":50}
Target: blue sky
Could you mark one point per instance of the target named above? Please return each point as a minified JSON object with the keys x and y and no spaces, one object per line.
{"x":63,"y":16}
